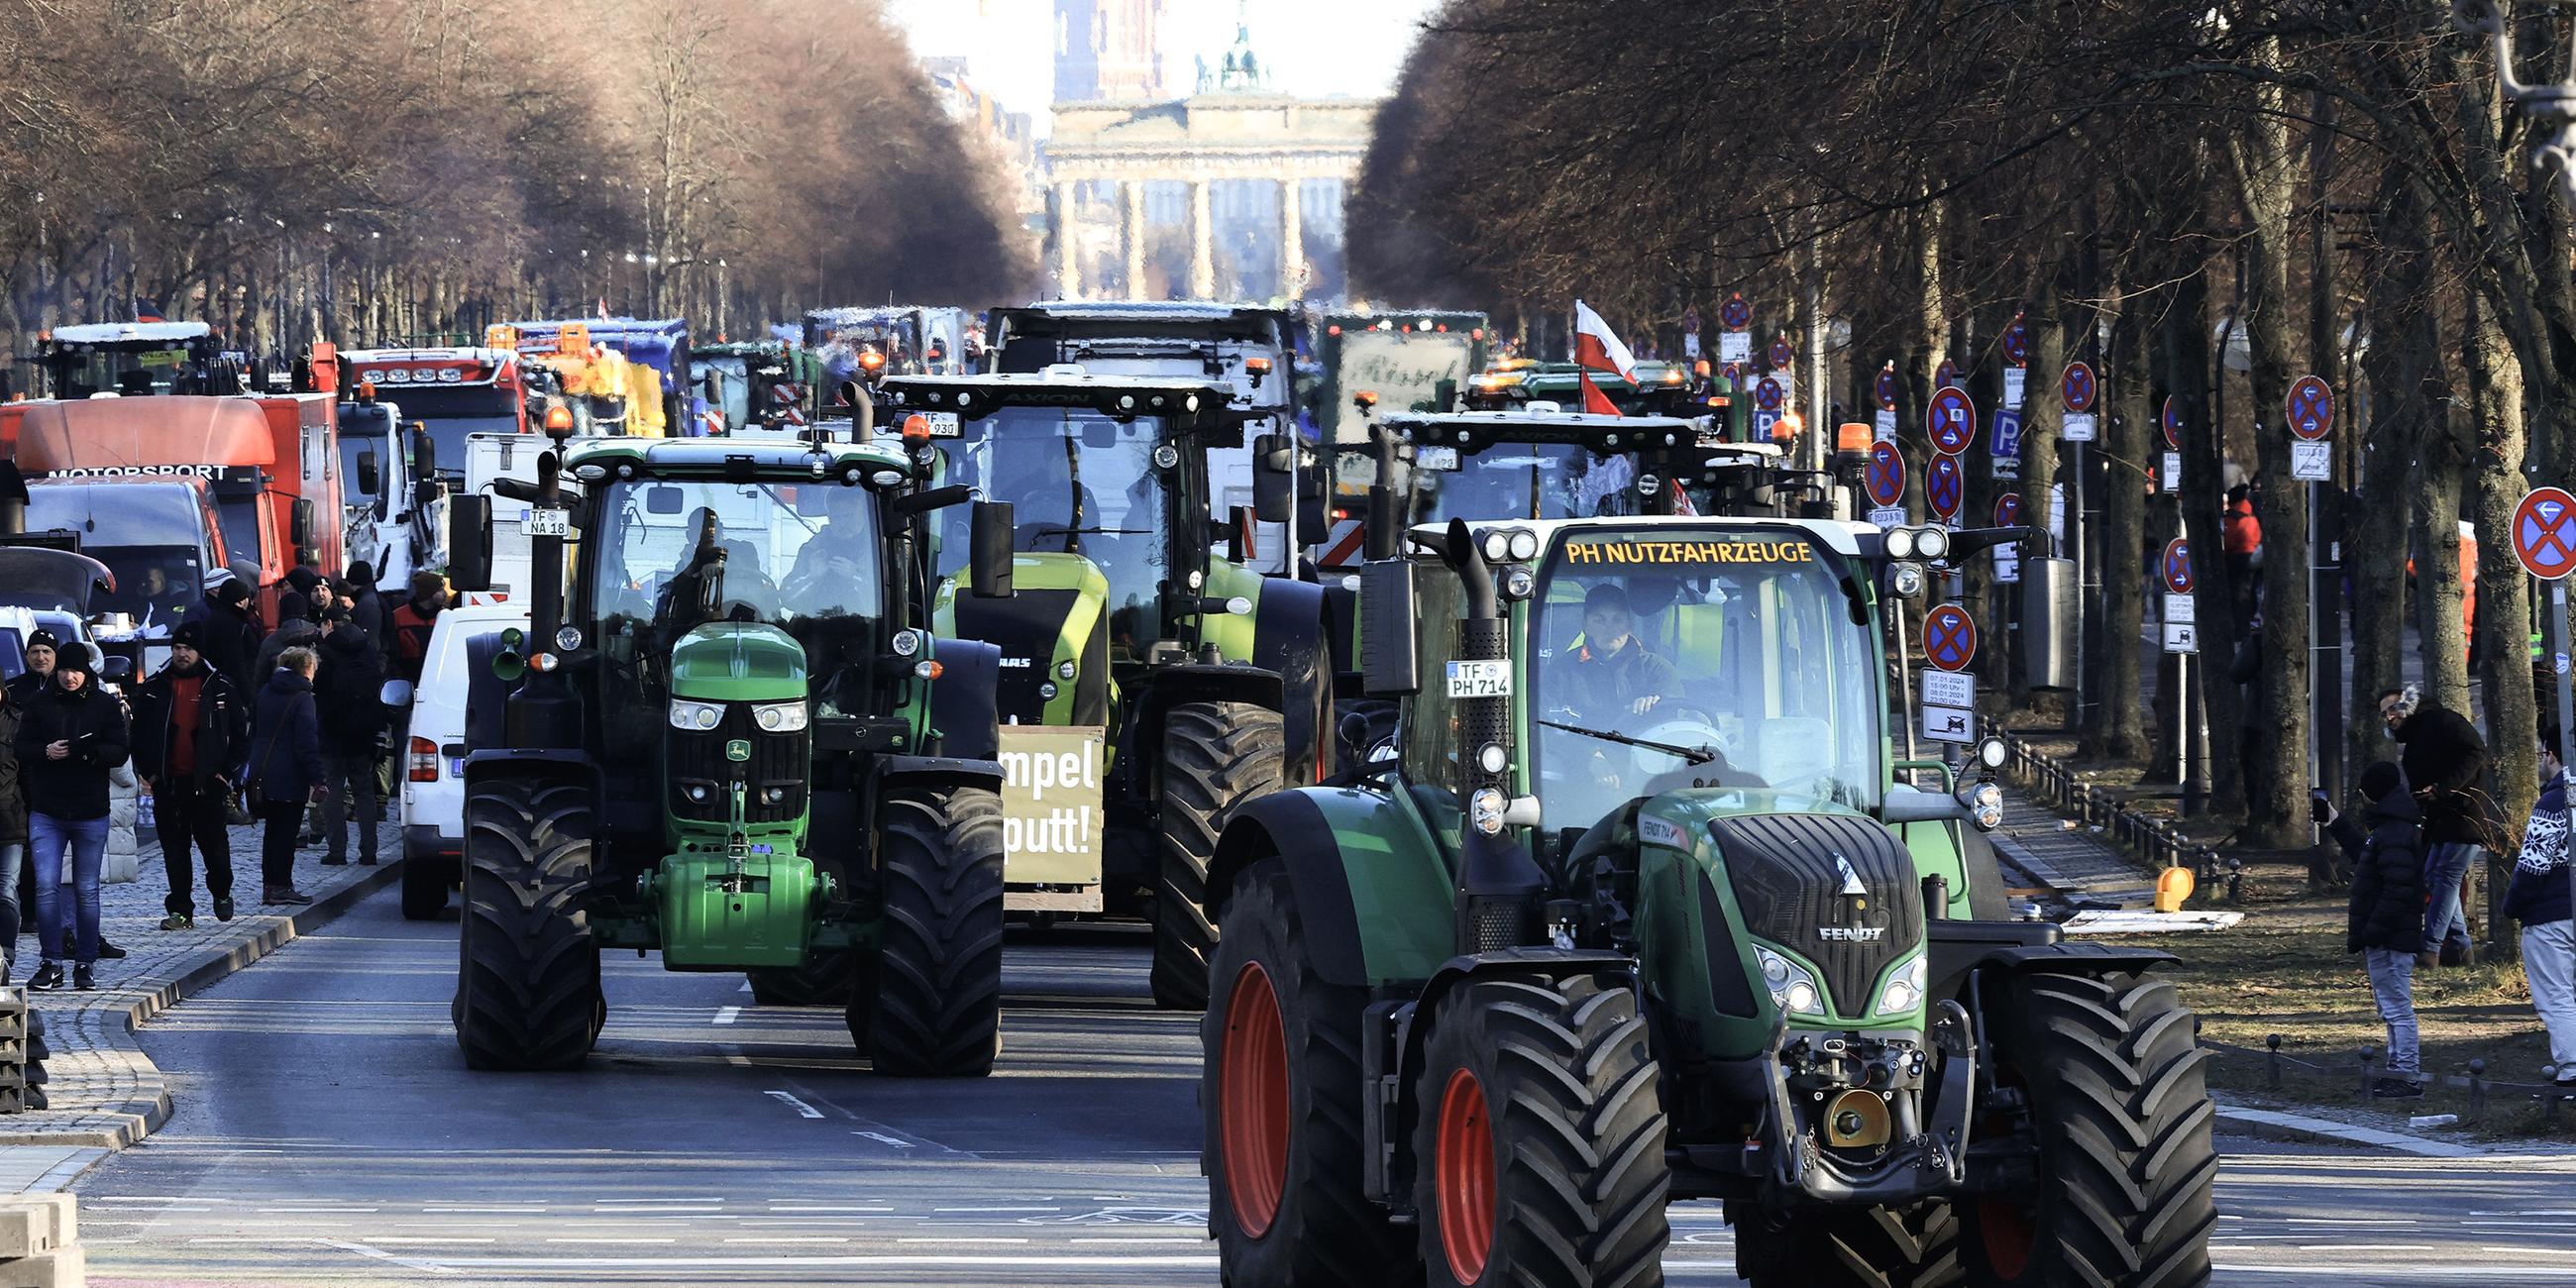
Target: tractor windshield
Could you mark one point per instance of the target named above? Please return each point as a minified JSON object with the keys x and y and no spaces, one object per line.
{"x":676,"y":554}
{"x":1080,"y":483}
{"x":1738,"y":643}
{"x":1522,"y":481}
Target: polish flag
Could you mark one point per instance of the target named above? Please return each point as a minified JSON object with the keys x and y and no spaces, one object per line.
{"x":1595,"y":402}
{"x":1597,"y":349}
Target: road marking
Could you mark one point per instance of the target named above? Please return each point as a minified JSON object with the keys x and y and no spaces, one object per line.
{"x":407,"y":1263}
{"x":828,"y":1208}
{"x":427,"y":1238}
{"x":300,"y":1211}
{"x":2429,"y":1274}
{"x":791,"y":1238}
{"x":622,"y":1211}
{"x":1049,"y":1208}
{"x":668,"y":1198}
{"x":922,"y":1260}
{"x":802,"y":1109}
{"x":607,"y":1238}
{"x":729,"y":1014}
{"x":880,"y":1136}
{"x":961,"y":1239}
{"x":510,"y":1210}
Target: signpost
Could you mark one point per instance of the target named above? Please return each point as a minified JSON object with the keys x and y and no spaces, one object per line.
{"x":1949,"y":637}
{"x":1734,"y":343}
{"x":1883,"y":425}
{"x":2309,"y":408}
{"x":1945,"y":485}
{"x":1951,"y":421}
{"x":2544,"y":539}
{"x":2004,"y":445}
{"x":1886,"y":474}
{"x":2017,"y":363}
{"x":1949,"y":697}
{"x":2176,"y":567}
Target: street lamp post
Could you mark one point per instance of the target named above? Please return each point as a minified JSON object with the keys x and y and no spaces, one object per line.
{"x":2552,"y":107}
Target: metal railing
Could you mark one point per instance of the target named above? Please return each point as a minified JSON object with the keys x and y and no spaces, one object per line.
{"x":2153,"y":839}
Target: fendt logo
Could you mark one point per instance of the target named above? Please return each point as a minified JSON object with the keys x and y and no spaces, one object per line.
{"x":1852,"y":934}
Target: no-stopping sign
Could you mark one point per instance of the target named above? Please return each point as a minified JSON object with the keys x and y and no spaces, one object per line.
{"x":2311,"y":408}
{"x":1886,"y":473}
{"x":1949,"y":637}
{"x":2076,"y":387}
{"x":2544,"y":533}
{"x":1951,"y":420}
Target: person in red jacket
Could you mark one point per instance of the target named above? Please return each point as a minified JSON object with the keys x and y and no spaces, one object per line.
{"x":414,"y":622}
{"x":2241,"y":541}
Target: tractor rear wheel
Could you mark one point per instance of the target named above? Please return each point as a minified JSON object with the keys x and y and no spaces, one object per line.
{"x":930,"y":1004}
{"x":1280,"y":1090}
{"x":425,"y":878}
{"x":1539,"y":1139}
{"x":1850,"y":1247}
{"x":527,"y":987}
{"x":2119,"y":1103}
{"x":1216,"y":755}
{"x":822,"y":979}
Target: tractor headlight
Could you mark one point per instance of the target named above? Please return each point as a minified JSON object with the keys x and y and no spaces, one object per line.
{"x":1932,"y":543}
{"x":1492,"y":758}
{"x":1904,"y":989}
{"x":698,"y":793}
{"x":697,"y":717}
{"x":773,"y":795}
{"x":1047,"y":690}
{"x":1985,"y":802}
{"x":568,"y":638}
{"x":1497,"y":546}
{"x":1485,"y":810}
{"x":1906,"y":581}
{"x":1524,"y":544}
{"x":1991,"y":753}
{"x":1900,"y":543}
{"x":907,"y":642}
{"x":779,"y":717}
{"x":1064,"y":670}
{"x":1792,"y":988}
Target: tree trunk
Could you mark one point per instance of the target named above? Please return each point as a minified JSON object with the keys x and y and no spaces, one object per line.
{"x":2119,"y":733}
{"x":2204,"y":456}
{"x":2403,"y":361}
{"x":2503,"y":593}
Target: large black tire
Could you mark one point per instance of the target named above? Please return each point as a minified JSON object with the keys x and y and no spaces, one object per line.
{"x":1279,"y":1088}
{"x":2117,"y":1091}
{"x":822,"y":979}
{"x":1538,"y":1144}
{"x":527,"y":988}
{"x":1216,"y":755}
{"x":929,"y":1004}
{"x":1863,"y":1247}
{"x":425,"y":878}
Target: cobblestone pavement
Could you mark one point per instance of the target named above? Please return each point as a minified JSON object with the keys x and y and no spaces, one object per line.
{"x":104,"y":1093}
{"x":2077,"y":864}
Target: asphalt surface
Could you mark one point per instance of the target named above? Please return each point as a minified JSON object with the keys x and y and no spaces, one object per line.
{"x":327,"y":1133}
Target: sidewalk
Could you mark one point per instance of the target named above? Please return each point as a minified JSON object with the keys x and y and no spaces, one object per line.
{"x":104,"y":1094}
{"x":2040,"y":852}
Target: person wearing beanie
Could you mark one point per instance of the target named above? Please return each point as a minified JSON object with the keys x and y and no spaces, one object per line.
{"x":305,"y":579}
{"x":368,"y":606}
{"x":297,"y":626}
{"x":230,"y":637}
{"x":350,"y":686}
{"x":414,"y":621}
{"x":41,"y":649}
{"x":2384,"y":918}
{"x":286,"y":766}
{"x":72,"y":739}
{"x":190,"y":731}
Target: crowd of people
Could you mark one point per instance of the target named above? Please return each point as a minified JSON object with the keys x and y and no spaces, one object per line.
{"x":286,"y":726}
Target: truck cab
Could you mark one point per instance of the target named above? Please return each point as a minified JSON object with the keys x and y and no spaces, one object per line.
{"x":395,"y":510}
{"x":136,"y":359}
{"x":450,"y":393}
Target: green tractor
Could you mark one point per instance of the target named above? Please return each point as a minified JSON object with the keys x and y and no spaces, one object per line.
{"x":1634,"y":905}
{"x":735,"y":738}
{"x":1151,"y":681}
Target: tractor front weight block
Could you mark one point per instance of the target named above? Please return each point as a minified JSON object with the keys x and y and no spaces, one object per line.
{"x":721,"y":913}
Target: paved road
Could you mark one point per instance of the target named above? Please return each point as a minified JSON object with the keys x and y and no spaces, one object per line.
{"x":326,"y":1133}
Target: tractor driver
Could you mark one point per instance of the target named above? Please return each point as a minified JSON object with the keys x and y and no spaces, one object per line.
{"x":1610,"y":675}
{"x":681,"y":603}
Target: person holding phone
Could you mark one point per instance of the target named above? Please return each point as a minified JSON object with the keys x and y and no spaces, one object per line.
{"x":71,"y":740}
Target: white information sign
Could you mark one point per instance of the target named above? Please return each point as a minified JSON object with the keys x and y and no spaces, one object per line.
{"x":2173,"y":472}
{"x":1690,"y":344}
{"x":2078,"y":427}
{"x":1735,"y":346}
{"x":1883,"y":427}
{"x":2182,"y":637}
{"x":2005,"y":467}
{"x":1888,"y":516}
{"x":2180,"y":608}
{"x":1949,"y":724}
{"x":2311,"y":462}
{"x":2015,"y":379}
{"x":1949,"y":688}
{"x":2007,"y":564}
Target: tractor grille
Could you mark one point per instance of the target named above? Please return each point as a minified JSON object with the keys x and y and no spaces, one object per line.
{"x":780,"y":760}
{"x":1025,"y":627}
{"x":1788,"y":871}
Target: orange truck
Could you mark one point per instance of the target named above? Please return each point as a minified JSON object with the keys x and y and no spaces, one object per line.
{"x":272,"y":463}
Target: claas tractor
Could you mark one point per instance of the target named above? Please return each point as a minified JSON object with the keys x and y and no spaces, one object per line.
{"x":1151,"y":681}
{"x":735,"y":738}
{"x":1634,"y":906}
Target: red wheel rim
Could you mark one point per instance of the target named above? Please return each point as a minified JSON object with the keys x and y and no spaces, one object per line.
{"x":1252,"y":1101}
{"x":1466,"y":1178}
{"x":2006,"y":1232}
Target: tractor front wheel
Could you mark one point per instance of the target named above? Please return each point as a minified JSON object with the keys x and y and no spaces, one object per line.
{"x":527,"y":987}
{"x":1538,"y":1149}
{"x":1216,"y":756}
{"x":822,"y":979}
{"x":1279,"y":1086}
{"x":930,"y":1004}
{"x":2117,"y":1098}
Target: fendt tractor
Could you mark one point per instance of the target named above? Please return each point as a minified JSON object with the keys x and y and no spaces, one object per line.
{"x":735,"y":739}
{"x":1634,"y":907}
{"x":1151,"y":680}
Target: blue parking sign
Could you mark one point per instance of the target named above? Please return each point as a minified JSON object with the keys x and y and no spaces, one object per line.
{"x":2007,"y":434}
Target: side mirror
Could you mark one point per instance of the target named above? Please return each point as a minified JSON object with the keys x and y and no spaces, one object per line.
{"x":117,"y":667}
{"x":300,"y":527}
{"x":989,"y":542}
{"x":370,"y":480}
{"x":1240,"y":543}
{"x":469,"y":541}
{"x":396,"y":693}
{"x":1905,"y":804}
{"x":1389,"y":629}
{"x":1274,"y":477}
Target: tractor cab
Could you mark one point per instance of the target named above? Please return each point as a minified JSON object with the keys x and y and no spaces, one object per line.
{"x":134,"y":359}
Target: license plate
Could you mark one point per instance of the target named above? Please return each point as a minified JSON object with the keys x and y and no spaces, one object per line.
{"x":456,"y":766}
{"x":543,"y":522}
{"x":1480,"y":679}
{"x":943,"y":424}
{"x":1436,"y":458}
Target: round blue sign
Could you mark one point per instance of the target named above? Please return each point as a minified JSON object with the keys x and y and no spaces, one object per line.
{"x":1944,"y":484}
{"x":2076,"y":387}
{"x":1951,"y":421}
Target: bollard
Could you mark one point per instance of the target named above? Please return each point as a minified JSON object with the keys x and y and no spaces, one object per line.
{"x":2549,"y":1108}
{"x":2477,"y":1090}
{"x":2369,"y":1057}
{"x":2272,"y":1061}
{"x":2236,"y":880}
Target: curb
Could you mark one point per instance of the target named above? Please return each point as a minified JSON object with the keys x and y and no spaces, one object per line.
{"x":143,"y":1116}
{"x":2273,"y":1124}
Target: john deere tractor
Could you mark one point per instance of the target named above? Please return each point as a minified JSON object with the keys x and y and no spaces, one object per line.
{"x":1150,"y":680}
{"x":1633,"y":906}
{"x":735,"y":738}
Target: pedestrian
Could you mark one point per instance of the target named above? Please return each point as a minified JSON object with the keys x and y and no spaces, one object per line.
{"x":13,"y":832}
{"x":190,"y":732}
{"x":231,"y":640}
{"x":2253,"y":724}
{"x":305,"y":580}
{"x":285,"y":768}
{"x":70,"y":741}
{"x":2384,"y":918}
{"x":41,"y":649}
{"x":2241,"y":543}
{"x":349,"y":687}
{"x":368,"y":605}
{"x":299,"y":624}
{"x":2445,"y":761}
{"x":2540,"y":900}
{"x":414,"y":621}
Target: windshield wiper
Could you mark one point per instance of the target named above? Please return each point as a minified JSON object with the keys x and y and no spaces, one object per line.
{"x":1700,"y":755}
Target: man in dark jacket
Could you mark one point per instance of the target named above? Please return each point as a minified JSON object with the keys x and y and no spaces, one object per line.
{"x":41,"y":649}
{"x":73,"y":737}
{"x":231,"y":641}
{"x":414,"y":622}
{"x":286,"y":765}
{"x":190,"y":730}
{"x":2445,"y":763}
{"x":13,"y":830}
{"x":349,"y":687}
{"x":2384,"y":920}
{"x":299,"y":625}
{"x":2541,"y":900}
{"x":367,"y":606}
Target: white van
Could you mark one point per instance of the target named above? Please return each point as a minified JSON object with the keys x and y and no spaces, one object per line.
{"x":433,"y":787}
